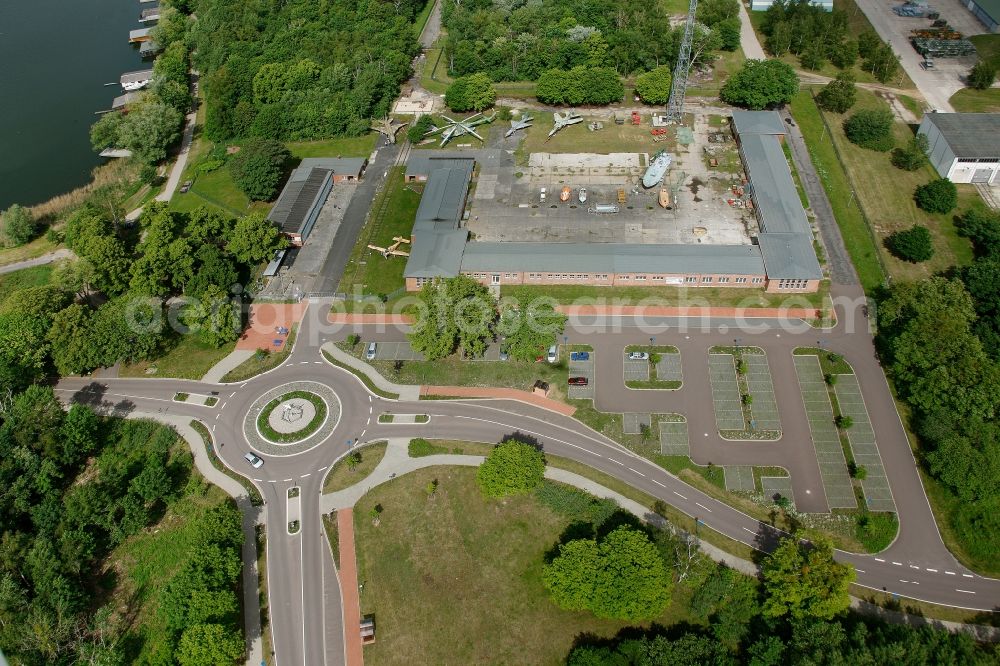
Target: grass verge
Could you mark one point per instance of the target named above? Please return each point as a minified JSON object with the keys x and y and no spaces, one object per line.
{"x":362,"y":376}
{"x":36,"y":276}
{"x":187,"y":358}
{"x":341,"y":475}
{"x":665,"y":296}
{"x":206,"y":437}
{"x":830,"y":363}
{"x":262,"y":596}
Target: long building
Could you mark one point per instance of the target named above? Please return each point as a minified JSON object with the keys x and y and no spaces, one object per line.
{"x":964,"y":147}
{"x":781,"y":259}
{"x":301,"y":200}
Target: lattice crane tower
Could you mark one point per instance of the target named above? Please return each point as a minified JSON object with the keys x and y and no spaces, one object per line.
{"x":675,"y":107}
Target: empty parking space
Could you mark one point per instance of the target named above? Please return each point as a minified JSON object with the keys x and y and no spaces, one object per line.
{"x":764,"y":408}
{"x":674,"y":439}
{"x":396,"y":351}
{"x":632,"y":423}
{"x":739,"y":477}
{"x":635,"y":370}
{"x":826,"y":439}
{"x":725,"y":392}
{"x":669,"y":368}
{"x":862,"y":440}
{"x":582,"y":369}
{"x":773,"y":486}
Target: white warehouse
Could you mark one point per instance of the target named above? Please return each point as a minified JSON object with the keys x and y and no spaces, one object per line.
{"x":762,"y":5}
{"x":964,"y":147}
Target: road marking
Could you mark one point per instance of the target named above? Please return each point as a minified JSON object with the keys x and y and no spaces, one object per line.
{"x":217,"y":416}
{"x":232,"y":394}
{"x":259,"y":480}
{"x":306,"y":474}
{"x":749,"y":530}
{"x":369,"y":397}
{"x":637,"y":472}
{"x":879,"y":559}
{"x":322,"y":468}
{"x":303,"y":362}
{"x":222,"y":406}
{"x":914,"y":567}
{"x":371,"y":408}
{"x":965,"y":591}
{"x":679,"y":495}
{"x":950,"y":573}
{"x":909,"y":581}
{"x":898,"y":564}
{"x":287,"y":479}
{"x":860,"y":570}
{"x":968,"y":576}
{"x":272,"y":480}
{"x":658,"y":483}
{"x":213,"y":426}
{"x":704,"y":507}
{"x":362,"y":433}
{"x":615,"y":461}
{"x":933,"y":570}
{"x":318,"y":362}
{"x":241,"y":386}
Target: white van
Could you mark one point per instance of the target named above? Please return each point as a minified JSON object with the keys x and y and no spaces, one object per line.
{"x":370,"y":352}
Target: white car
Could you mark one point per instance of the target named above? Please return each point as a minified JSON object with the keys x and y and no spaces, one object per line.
{"x":553,"y":354}
{"x":370,"y":352}
{"x":254,"y":461}
{"x":638,"y":356}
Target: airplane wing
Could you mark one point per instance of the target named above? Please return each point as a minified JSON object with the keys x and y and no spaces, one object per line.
{"x":473,"y":133}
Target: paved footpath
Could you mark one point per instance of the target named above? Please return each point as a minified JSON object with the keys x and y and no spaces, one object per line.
{"x":349,"y":587}
{"x":47,"y":258}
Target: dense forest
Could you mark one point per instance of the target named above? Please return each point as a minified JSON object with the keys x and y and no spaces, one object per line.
{"x":939,"y":339}
{"x":513,"y":40}
{"x":300,"y":69}
{"x":76,"y":486}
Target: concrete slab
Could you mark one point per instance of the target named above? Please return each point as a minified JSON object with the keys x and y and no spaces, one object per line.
{"x":632,"y":423}
{"x":669,"y":368}
{"x":739,"y":478}
{"x":396,"y":351}
{"x":773,"y":486}
{"x":764,"y":407}
{"x":875,"y":485}
{"x":674,"y":438}
{"x":635,"y":370}
{"x":725,"y":392}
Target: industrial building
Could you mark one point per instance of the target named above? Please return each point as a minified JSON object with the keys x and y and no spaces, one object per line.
{"x":987,"y":11}
{"x":781,"y":260}
{"x":307,"y":189}
{"x":762,"y":5}
{"x":964,"y":147}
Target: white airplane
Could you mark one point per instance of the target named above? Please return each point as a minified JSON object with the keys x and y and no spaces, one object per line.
{"x":564,"y":120}
{"x":523,"y":123}
{"x":461,"y":127}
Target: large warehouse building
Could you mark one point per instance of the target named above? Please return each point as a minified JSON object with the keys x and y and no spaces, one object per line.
{"x":987,"y":11}
{"x":781,"y":260}
{"x":964,"y":147}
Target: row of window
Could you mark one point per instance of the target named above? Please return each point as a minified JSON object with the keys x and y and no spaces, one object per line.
{"x":981,"y":160}
{"x":708,"y":279}
{"x":792,"y":284}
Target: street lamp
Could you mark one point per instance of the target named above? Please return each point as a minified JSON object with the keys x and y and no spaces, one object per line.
{"x":652,"y":341}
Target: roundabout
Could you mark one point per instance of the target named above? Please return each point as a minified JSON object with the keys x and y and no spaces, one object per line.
{"x":292,"y":418}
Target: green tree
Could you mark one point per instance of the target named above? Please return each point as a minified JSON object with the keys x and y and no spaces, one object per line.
{"x":530,"y":331}
{"x":937,"y":196}
{"x":254,"y":240}
{"x":419,"y":128}
{"x":913,"y":244}
{"x":760,"y":84}
{"x":214,"y":318}
{"x":804,"y":581}
{"x":454,"y":312}
{"x":870,"y":128}
{"x":208,"y":645}
{"x":435,"y":333}
{"x":511,"y":468}
{"x":18,"y":225}
{"x":982,"y":75}
{"x":913,"y":156}
{"x":149,"y":128}
{"x":729,"y":33}
{"x":712,"y":12}
{"x":72,"y":348}
{"x":839,"y":95}
{"x":105,"y":132}
{"x":622,"y":576}
{"x":653,"y":87}
{"x":982,"y":227}
{"x":474,"y":92}
{"x":882,"y":62}
{"x":257,"y":169}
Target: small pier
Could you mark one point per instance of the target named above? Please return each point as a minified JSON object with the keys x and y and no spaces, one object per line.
{"x":150,"y":15}
{"x":140,"y":35}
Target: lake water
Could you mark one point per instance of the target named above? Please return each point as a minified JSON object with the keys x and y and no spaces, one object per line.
{"x":55,"y":57}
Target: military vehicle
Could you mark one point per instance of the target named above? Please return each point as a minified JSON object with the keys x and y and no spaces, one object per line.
{"x":657,"y":169}
{"x":562,"y":120}
{"x":523,"y":123}
{"x":454,"y":128}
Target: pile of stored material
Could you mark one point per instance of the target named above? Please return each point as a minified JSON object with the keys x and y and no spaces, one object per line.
{"x":914,"y":9}
{"x":943,"y":48}
{"x":944,"y":32}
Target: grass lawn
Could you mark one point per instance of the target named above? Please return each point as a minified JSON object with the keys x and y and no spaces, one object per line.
{"x":142,"y":565}
{"x":987,"y":48}
{"x":434,"y":74}
{"x":455,"y":372}
{"x":439,"y":570}
{"x":392,"y":214}
{"x":577,"y":138}
{"x":342,"y":476}
{"x":36,"y":248}
{"x":665,"y":296}
{"x":886,"y":195}
{"x":341,"y":146}
{"x":830,"y":363}
{"x":853,"y":229}
{"x":35,"y":276}
{"x":969,"y":100}
{"x":259,"y":363}
{"x":188,"y":358}
{"x":726,"y":62}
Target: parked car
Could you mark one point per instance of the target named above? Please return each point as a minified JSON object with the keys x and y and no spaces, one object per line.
{"x":504,"y":355}
{"x":254,"y":461}
{"x":578,"y":381}
{"x":638,"y":356}
{"x":553,"y":354}
{"x":579,"y":356}
{"x":186,"y":186}
{"x":370,"y":352}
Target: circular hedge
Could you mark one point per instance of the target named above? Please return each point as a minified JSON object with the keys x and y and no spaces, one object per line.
{"x":264,"y":424}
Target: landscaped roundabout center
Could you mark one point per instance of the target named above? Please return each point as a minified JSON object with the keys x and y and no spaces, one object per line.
{"x":292,"y":419}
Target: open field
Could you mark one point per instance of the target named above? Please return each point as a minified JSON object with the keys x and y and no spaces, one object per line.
{"x":187,"y":358}
{"x":342,"y":146}
{"x":259,"y":362}
{"x":36,"y":248}
{"x":441,"y":569}
{"x":35,"y":276}
{"x":577,"y":138}
{"x":342,"y":476}
{"x":969,"y":100}
{"x":392,"y":214}
{"x":453,"y":371}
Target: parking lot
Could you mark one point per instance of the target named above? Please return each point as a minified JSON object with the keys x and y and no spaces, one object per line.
{"x":395,"y":351}
{"x":725,"y":392}
{"x":862,"y":439}
{"x":764,"y":408}
{"x":669,"y":368}
{"x":635,"y":369}
{"x":579,"y":368}
{"x":674,"y":438}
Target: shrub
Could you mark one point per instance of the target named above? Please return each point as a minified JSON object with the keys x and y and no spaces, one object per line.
{"x":844,"y":422}
{"x":830,"y":379}
{"x":258,"y":167}
{"x":982,"y":75}
{"x":511,"y":468}
{"x":580,"y":85}
{"x":937,"y":196}
{"x":417,"y":130}
{"x":18,"y":225}
{"x":913,"y":244}
{"x":575,"y":504}
{"x":654,"y":87}
{"x":870,"y":128}
{"x":876,"y":530}
{"x":913,"y":156}
{"x":471,"y":93}
{"x":760,"y":84}
{"x":420,"y":447}
{"x":839,"y":95}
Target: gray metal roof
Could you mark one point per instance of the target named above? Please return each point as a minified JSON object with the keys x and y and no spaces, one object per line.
{"x":789,"y":256}
{"x":139,"y":33}
{"x":757,"y":122}
{"x":299,"y":201}
{"x":136,"y":77}
{"x":421,"y":163}
{"x":778,"y":205}
{"x":148,"y":48}
{"x":340,"y":166}
{"x":969,"y":135}
{"x":443,"y":201}
{"x":614,"y":258}
{"x":990,"y":7}
{"x":436,"y":253}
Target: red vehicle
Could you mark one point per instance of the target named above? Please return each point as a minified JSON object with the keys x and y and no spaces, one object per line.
{"x":578,"y":381}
